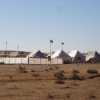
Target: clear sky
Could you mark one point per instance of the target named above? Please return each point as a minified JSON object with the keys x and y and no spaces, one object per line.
{"x":32,"y":23}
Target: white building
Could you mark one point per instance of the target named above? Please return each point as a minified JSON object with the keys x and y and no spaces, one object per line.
{"x":77,"y":56}
{"x":38,"y":57}
{"x":92,"y":57}
{"x":61,"y":57}
{"x":13,"y":57}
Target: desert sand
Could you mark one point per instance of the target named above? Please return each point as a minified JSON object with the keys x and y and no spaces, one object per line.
{"x":38,"y":82}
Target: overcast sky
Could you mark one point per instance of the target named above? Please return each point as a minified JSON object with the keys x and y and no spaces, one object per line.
{"x":32,"y":23}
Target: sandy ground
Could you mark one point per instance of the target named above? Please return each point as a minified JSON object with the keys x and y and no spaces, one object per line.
{"x":39,"y":83}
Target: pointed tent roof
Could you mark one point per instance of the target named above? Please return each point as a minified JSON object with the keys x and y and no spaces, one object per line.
{"x":73,"y":53}
{"x":60,"y":54}
{"x":13,"y":54}
{"x":23,"y":54}
{"x":39,"y":54}
{"x":77,"y":56}
{"x":91,"y":55}
{"x":31,"y":54}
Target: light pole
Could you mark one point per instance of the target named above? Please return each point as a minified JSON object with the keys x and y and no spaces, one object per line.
{"x":51,"y":43}
{"x":6,"y":45}
{"x":6,"y":50}
{"x":62,"y":44}
{"x":17,"y":47}
{"x":17,"y":55}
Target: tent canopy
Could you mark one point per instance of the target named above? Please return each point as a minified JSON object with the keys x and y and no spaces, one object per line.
{"x":92,"y":55}
{"x":39,"y":54}
{"x":73,"y":53}
{"x":61,"y":54}
{"x":77,"y":56}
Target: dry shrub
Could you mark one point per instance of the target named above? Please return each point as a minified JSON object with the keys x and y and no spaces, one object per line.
{"x":46,"y":70}
{"x":33,"y":71}
{"x":68,"y":96}
{"x":60,"y":75}
{"x":94,"y":76}
{"x":51,"y":97}
{"x":92,"y":71}
{"x":50,"y":68}
{"x":92,"y":97}
{"x":56,"y":67}
{"x":60,"y":81}
{"x":75,"y":71}
{"x":76,"y":75}
{"x":11,"y":78}
{"x":35,"y":75}
{"x":22,"y":69}
{"x":13,"y":87}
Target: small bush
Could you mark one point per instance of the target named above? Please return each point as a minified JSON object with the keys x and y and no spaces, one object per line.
{"x":10,"y":77}
{"x":35,"y":75}
{"x":50,"y":69}
{"x":60,"y":75}
{"x":51,"y":97}
{"x":32,"y":70}
{"x":75,"y":71}
{"x":22,"y":69}
{"x":76,"y":76}
{"x":46,"y":70}
{"x":68,"y":95}
{"x":60,"y":82}
{"x":92,"y":97}
{"x":92,"y":71}
{"x":56,"y":67}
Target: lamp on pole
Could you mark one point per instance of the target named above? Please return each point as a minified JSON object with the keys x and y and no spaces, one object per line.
{"x":62,"y":44}
{"x":51,"y":43}
{"x":6,"y":45}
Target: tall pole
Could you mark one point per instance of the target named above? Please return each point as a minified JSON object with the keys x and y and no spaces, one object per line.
{"x":62,"y":44}
{"x":6,"y":45}
{"x":51,"y":42}
{"x":17,"y":47}
{"x":6,"y":50}
{"x":17,"y":54}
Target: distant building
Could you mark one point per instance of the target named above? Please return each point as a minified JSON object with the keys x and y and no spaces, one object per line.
{"x":92,"y":57}
{"x":38,"y":57}
{"x":13,"y":57}
{"x":77,"y":56}
{"x":60,"y":54}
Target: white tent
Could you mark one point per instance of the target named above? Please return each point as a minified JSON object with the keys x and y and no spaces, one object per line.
{"x":92,"y":57}
{"x":13,"y":54}
{"x":37,"y":57}
{"x":60,"y":54}
{"x":77,"y":56}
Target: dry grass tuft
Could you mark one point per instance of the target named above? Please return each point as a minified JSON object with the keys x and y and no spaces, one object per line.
{"x":22,"y":69}
{"x":60,"y":75}
{"x":51,"y":97}
{"x":92,"y":71}
{"x":76,"y":75}
{"x":60,"y":82}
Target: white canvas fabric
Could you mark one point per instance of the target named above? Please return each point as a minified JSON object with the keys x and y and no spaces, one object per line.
{"x":93,"y":55}
{"x":77,"y":56}
{"x":62,"y":55}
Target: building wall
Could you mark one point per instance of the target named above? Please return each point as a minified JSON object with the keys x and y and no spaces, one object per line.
{"x":44,"y":61}
{"x":13,"y":60}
